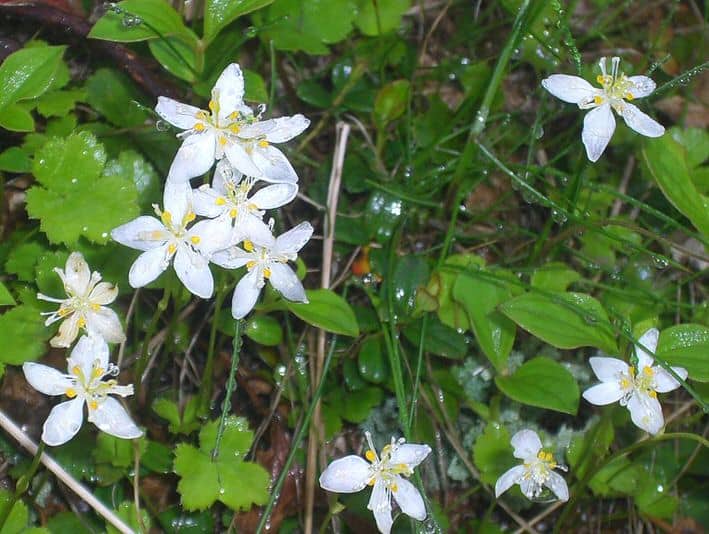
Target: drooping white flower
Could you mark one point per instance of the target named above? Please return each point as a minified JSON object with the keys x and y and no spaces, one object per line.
{"x":635,"y":388}
{"x":617,"y":90}
{"x":230,"y":129}
{"x":387,"y":474}
{"x":265,"y":260}
{"x":85,"y":305}
{"x":84,"y":383}
{"x":230,"y":198}
{"x":536,"y":471}
{"x":171,"y":237}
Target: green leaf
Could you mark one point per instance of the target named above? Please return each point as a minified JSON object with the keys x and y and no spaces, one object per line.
{"x":199,"y":478}
{"x":132,"y":166}
{"x":59,"y":103}
{"x":127,"y":512}
{"x":14,"y":159}
{"x":375,"y":18}
{"x":18,"y":518}
{"x":265,"y":330}
{"x":667,"y":161}
{"x":495,"y":332}
{"x":6,"y":298}
{"x":544,"y":383}
{"x":564,"y":320}
{"x":235,"y":442}
{"x":391,"y":102}
{"x":554,"y":276}
{"x":22,"y":260}
{"x":178,"y":56}
{"x":220,"y":13}
{"x":371,"y":361}
{"x":112,"y":94}
{"x":28,"y":73}
{"x":327,"y":310}
{"x":22,"y":335}
{"x":255,"y":87}
{"x":16,"y":118}
{"x":139,"y":20}
{"x":440,"y":339}
{"x":686,"y":345}
{"x":695,"y":141}
{"x":492,"y":452}
{"x":74,"y":200}
{"x":244,"y":483}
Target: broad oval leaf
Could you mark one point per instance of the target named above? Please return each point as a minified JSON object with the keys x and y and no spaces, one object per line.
{"x":564,"y":320}
{"x":220,"y":13}
{"x":544,"y":383}
{"x":686,"y":345}
{"x":28,"y":73}
{"x":139,"y":20}
{"x":327,"y":310}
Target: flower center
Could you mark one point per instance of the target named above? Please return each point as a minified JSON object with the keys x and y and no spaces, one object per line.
{"x":643,"y":382}
{"x":616,"y":86}
{"x":383,"y":469}
{"x":92,"y":388}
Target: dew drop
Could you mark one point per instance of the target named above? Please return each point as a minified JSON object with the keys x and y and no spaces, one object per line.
{"x":660,"y":262}
{"x":74,"y":181}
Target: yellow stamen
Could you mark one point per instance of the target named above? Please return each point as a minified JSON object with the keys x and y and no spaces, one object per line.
{"x":233,"y":115}
{"x":600,"y":79}
{"x":233,"y":213}
{"x":652,"y":393}
{"x":624,"y":383}
{"x":394,"y":488}
{"x":201,"y":115}
{"x":166,"y":217}
{"x":222,"y":140}
{"x":248,"y":245}
{"x":250,"y":265}
{"x":71,"y":393}
{"x":647,"y":371}
{"x":629,"y":96}
{"x":213,"y":106}
{"x":156,"y":234}
{"x":234,"y":128}
{"x":76,"y":370}
{"x":371,"y":482}
{"x":267,"y":273}
{"x":81,"y":322}
{"x":598,"y":100}
{"x":220,"y":201}
{"x":171,"y":248}
{"x":195,"y":239}
{"x":95,"y":307}
{"x":97,"y":372}
{"x":63,"y":312}
{"x":263,"y":143}
{"x":370,"y":455}
{"x":93,"y":405}
{"x":198,"y":127}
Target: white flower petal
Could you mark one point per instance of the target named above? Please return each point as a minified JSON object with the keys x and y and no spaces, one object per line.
{"x":640,"y":122}
{"x":205,"y":203}
{"x":346,"y":475}
{"x":526,"y":444}
{"x":232,"y":258}
{"x":177,"y":113}
{"x":646,"y":412}
{"x":111,"y":417}
{"x":293,"y":240}
{"x":148,"y":266}
{"x":508,"y":479}
{"x":193,"y":271}
{"x":77,"y":274}
{"x":665,"y":382}
{"x":240,"y":160}
{"x":598,"y":128}
{"x":106,"y":324}
{"x":571,"y":89}
{"x":608,"y":369}
{"x":229,"y":91}
{"x":274,"y":196}
{"x":89,"y":350}
{"x":46,"y":379}
{"x":557,"y":484}
{"x":177,"y":200}
{"x":286,"y":282}
{"x":245,"y":295}
{"x":273,"y":164}
{"x":194,"y":158}
{"x":380,"y":505}
{"x":68,"y":331}
{"x":409,"y":499}
{"x":411,"y":454}
{"x":642,"y":86}
{"x":142,"y":233}
{"x":277,"y":130}
{"x":529,"y":487}
{"x":63,"y":423}
{"x":254,"y":229}
{"x":649,"y":341}
{"x":604,"y":393}
{"x":224,"y":173}
{"x":104,"y":293}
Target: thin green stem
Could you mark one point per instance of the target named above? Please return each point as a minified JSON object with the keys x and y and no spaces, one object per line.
{"x":417,"y":378}
{"x":297,"y":439}
{"x":230,"y":385}
{"x":207,"y":378}
{"x":23,"y":484}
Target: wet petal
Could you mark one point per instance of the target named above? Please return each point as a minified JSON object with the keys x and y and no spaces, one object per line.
{"x":380,"y":505}
{"x":194,"y":158}
{"x":346,"y":475}
{"x":254,"y":229}
{"x":193,"y":271}
{"x":598,"y":128}
{"x":641,"y":122}
{"x":508,"y":479}
{"x":77,"y":273}
{"x":143,"y":233}
{"x":211,"y":235}
{"x":104,"y":293}
{"x":273,"y":164}
{"x":293,"y":240}
{"x":411,"y":454}
{"x":177,"y":200}
{"x":105,"y":323}
{"x":111,"y":417}
{"x":603,"y":393}
{"x":229,"y":91}
{"x":608,"y":369}
{"x":557,"y":485}
{"x":409,"y":499}
{"x":89,"y":351}
{"x":245,"y":295}
{"x":207,"y":202}
{"x":240,"y":160}
{"x":286,"y":282}
{"x":274,"y":196}
{"x":571,"y":89}
{"x":63,"y":423}
{"x":649,"y":341}
{"x":526,"y":444}
{"x":642,"y":86}
{"x":68,"y":331}
{"x":277,"y":130}
{"x":46,"y":379}
{"x":176,"y":113}
{"x":665,"y":382}
{"x":232,"y":258}
{"x":646,"y":412}
{"x":148,"y":266}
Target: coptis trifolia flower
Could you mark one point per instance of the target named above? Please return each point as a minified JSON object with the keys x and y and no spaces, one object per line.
{"x":88,"y":365}
{"x":617,"y":90}
{"x":635,"y":388}
{"x":265,"y":261}
{"x":536,"y":471}
{"x":170,"y":237}
{"x":84,"y":306}
{"x":386,"y":473}
{"x":230,"y":129}
{"x":230,"y":197}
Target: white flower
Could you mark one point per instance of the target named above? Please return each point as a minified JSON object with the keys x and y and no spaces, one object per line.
{"x":386,"y":474}
{"x":230,"y":198}
{"x":84,"y":306}
{"x":230,"y":129}
{"x":599,"y":124}
{"x":536,"y":471}
{"x":266,"y":260}
{"x":636,"y":388}
{"x":83,"y":384}
{"x":172,"y":237}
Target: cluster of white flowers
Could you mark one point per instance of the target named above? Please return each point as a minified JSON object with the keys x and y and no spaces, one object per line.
{"x":232,"y":233}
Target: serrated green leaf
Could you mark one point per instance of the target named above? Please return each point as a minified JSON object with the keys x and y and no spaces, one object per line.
{"x":492,"y":452}
{"x":6,"y":298}
{"x":139,"y":20}
{"x":543,"y":383}
{"x":22,"y":335}
{"x":28,"y":73}
{"x":133,"y":166}
{"x":199,"y":478}
{"x":564,"y":320}
{"x":244,"y":484}
{"x":14,"y":159}
{"x":75,"y":200}
{"x":59,"y":103}
{"x":686,"y":345}
{"x":127,"y":512}
{"x":220,"y":13}
{"x":327,"y":310}
{"x":376,"y":18}
{"x":235,"y":442}
{"x":23,"y":258}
